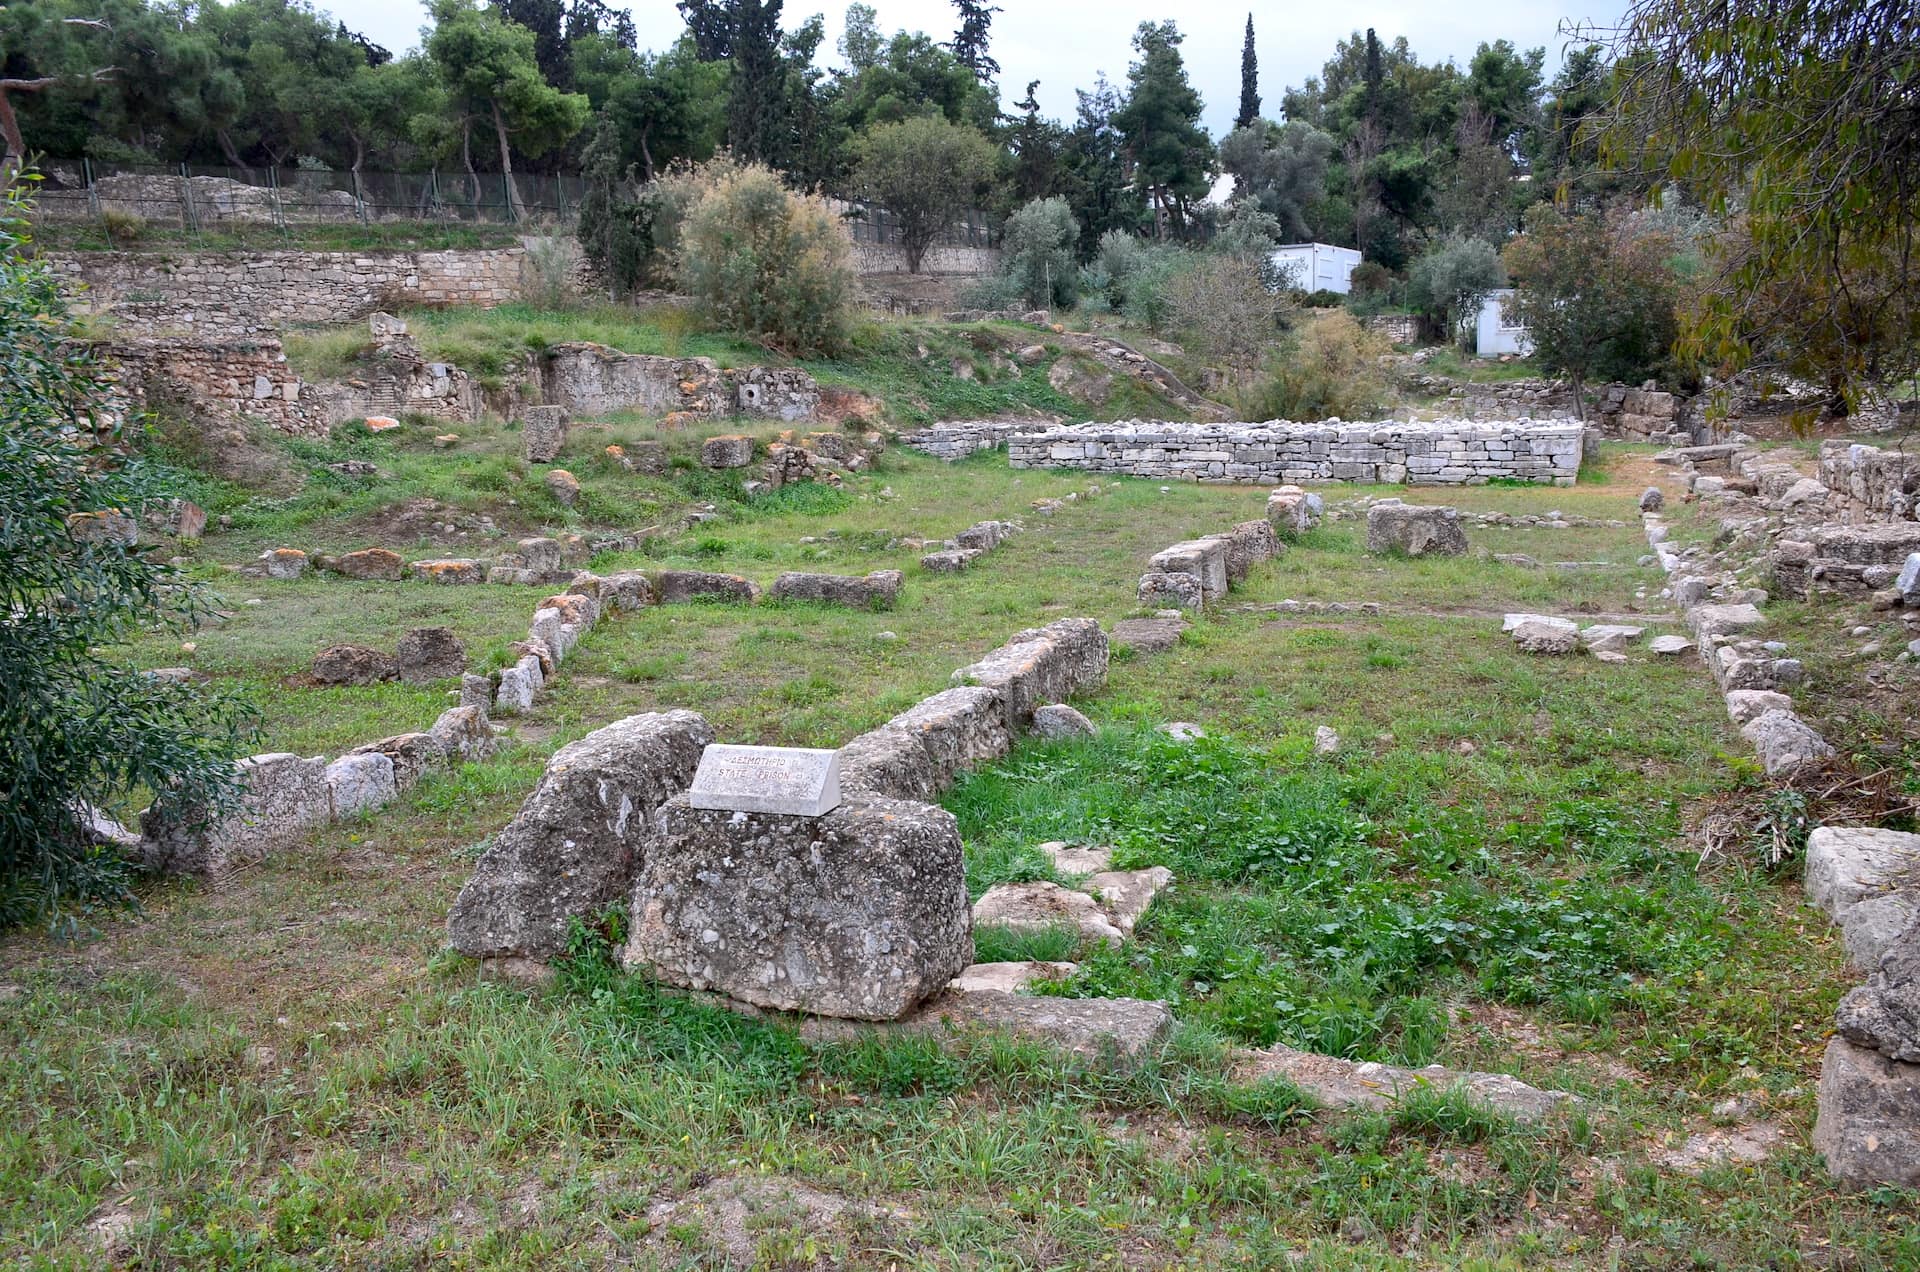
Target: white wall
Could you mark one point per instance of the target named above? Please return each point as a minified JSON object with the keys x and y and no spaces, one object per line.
{"x":1492,"y":334}
{"x":1318,"y":266}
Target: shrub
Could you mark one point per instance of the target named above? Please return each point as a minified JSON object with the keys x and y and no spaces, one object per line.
{"x":1449,"y":283}
{"x":1222,"y":304}
{"x":769,"y":264}
{"x":1037,"y":246}
{"x":81,"y":730}
{"x":1331,"y":368}
{"x":547,"y":272}
{"x":122,"y":226}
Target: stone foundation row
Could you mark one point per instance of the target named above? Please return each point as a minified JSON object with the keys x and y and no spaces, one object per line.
{"x":1450,"y":452}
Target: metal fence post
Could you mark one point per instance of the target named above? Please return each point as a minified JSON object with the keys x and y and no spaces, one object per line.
{"x":187,"y":212}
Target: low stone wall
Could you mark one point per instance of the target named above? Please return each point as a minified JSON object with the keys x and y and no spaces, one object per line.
{"x":958,"y":439}
{"x":1448,"y":452}
{"x":591,"y":379}
{"x":250,"y":291}
{"x":1401,"y":329}
{"x":891,"y":258}
{"x":1866,"y":483}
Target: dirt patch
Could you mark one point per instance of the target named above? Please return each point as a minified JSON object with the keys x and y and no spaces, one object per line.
{"x":757,"y":1222}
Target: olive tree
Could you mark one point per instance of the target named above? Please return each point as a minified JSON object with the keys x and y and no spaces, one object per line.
{"x":927,"y":172}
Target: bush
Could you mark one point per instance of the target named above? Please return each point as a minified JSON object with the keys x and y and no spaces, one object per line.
{"x":82,"y":731}
{"x":1037,"y":246}
{"x":769,"y":264}
{"x":1221,"y":304}
{"x":547,"y":272}
{"x":122,"y":226}
{"x":1331,"y":368}
{"x":927,"y":172}
{"x":1449,"y":283}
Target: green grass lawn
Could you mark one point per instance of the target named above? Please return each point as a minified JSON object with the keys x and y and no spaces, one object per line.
{"x":1494,"y":871}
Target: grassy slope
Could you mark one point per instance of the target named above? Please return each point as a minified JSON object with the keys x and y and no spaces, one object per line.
{"x":287,"y":1073}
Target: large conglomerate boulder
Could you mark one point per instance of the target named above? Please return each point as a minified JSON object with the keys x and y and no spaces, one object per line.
{"x":860,"y":913}
{"x":574,"y":847}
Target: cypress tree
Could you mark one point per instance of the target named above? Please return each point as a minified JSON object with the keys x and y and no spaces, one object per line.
{"x":1249,"y":81}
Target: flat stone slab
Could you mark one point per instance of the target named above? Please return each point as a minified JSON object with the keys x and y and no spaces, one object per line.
{"x":1148,"y":635}
{"x":796,"y":781}
{"x":1098,"y":1028}
{"x":1077,"y":859}
{"x":1126,"y":894}
{"x":1041,"y":907}
{"x":1009,"y":978}
{"x":1367,"y":1084}
{"x":1512,"y":622}
{"x":1670,"y":646}
{"x":1607,"y":633}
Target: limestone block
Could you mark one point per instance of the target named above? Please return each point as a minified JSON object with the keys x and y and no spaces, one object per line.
{"x":1041,"y":906}
{"x":369,"y":563}
{"x":283,"y":797}
{"x":861,"y":913}
{"x":1204,"y":559}
{"x":949,"y":562}
{"x":543,"y":432}
{"x":876,"y":591}
{"x":674,"y":587}
{"x":1847,"y":864}
{"x":574,"y":847}
{"x":1039,"y":666}
{"x":359,"y":783}
{"x":412,"y":755}
{"x":728,"y":450}
{"x":284,"y":563}
{"x":919,"y":753}
{"x":1160,"y":590}
{"x":1415,"y":530}
{"x":1868,"y":1120}
{"x":451,"y":571}
{"x":464,"y":733}
{"x":1784,"y":742}
{"x":1057,"y":720}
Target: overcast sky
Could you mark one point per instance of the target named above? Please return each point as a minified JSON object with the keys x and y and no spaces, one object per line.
{"x":1065,"y":43}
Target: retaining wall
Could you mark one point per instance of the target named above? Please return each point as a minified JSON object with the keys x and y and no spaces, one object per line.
{"x":1866,"y":483}
{"x":246,"y":292}
{"x":1448,"y":452}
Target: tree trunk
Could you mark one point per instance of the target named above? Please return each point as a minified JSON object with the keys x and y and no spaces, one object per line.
{"x":1579,"y":396}
{"x":466,"y":158}
{"x":227,"y":148}
{"x":514,"y":207}
{"x":646,"y":155}
{"x":16,"y":154}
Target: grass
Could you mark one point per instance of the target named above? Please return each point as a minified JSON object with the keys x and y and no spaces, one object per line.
{"x":1455,"y":365}
{"x":1491,"y":873}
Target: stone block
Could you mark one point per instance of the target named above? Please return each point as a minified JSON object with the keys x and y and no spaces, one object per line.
{"x":427,"y":654}
{"x":451,"y":571}
{"x":949,"y":562}
{"x":860,"y":914}
{"x":627,"y":590}
{"x":1784,"y":743}
{"x":412,"y":755}
{"x":1847,"y":864}
{"x":1745,"y":705}
{"x":728,"y":450}
{"x":1415,"y":530}
{"x":1041,"y":906}
{"x":879,"y":590}
{"x":1532,"y":637}
{"x":1248,"y":544}
{"x":284,"y":563}
{"x":464,"y":733}
{"x":1039,"y":666}
{"x":674,"y":587}
{"x":1204,"y":559}
{"x":353,"y":665}
{"x":1149,"y":635}
{"x":360,"y":783}
{"x":543,"y":432}
{"x":1057,"y":720}
{"x":919,"y":753}
{"x":369,"y":563}
{"x":283,"y":798}
{"x":1867,"y":1126}
{"x":574,"y":847}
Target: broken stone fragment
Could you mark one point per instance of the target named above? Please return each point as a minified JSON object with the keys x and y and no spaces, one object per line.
{"x":1041,"y":906}
{"x":353,"y":665}
{"x":574,"y":847}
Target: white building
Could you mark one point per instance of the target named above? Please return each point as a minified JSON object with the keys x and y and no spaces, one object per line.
{"x":1315,"y":267}
{"x":1493,"y":333}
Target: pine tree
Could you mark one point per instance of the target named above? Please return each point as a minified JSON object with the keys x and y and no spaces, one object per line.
{"x":1168,"y":150}
{"x":969,"y":46}
{"x":757,"y":99}
{"x":1249,"y":81}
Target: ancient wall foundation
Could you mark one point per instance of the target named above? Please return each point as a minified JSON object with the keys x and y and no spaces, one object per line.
{"x":1866,"y":483}
{"x":228,"y":380}
{"x":1448,"y":452}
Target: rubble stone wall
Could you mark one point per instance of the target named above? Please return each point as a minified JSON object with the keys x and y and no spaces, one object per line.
{"x":248,"y":292}
{"x":1448,"y":452}
{"x":224,"y":379}
{"x":1866,"y":483}
{"x":891,"y":258}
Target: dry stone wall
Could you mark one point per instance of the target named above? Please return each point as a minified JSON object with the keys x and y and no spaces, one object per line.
{"x":1447,"y":452}
{"x":1866,"y":483}
{"x":248,"y":292}
{"x":229,"y":380}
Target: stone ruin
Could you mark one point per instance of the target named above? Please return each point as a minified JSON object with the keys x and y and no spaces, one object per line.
{"x":1446,"y":452}
{"x":784,"y":883}
{"x":1197,"y":573}
{"x":1414,"y":530}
